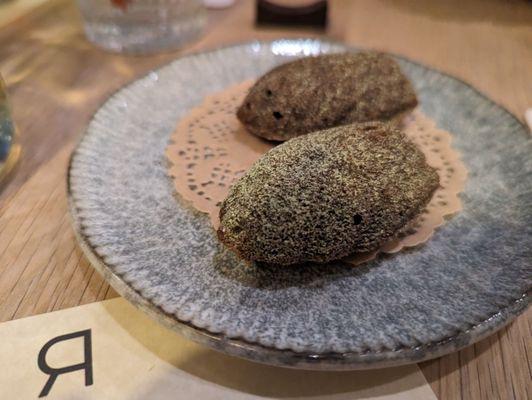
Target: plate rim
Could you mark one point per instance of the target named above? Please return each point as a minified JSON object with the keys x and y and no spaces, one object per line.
{"x":242,"y":348}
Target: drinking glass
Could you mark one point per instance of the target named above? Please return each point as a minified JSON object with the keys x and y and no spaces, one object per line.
{"x":142,"y":26}
{"x":9,"y":148}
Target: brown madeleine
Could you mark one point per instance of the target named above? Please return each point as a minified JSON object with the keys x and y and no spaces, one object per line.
{"x":316,"y":93}
{"x":326,"y":195}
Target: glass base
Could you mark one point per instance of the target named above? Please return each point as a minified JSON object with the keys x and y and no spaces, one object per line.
{"x":9,"y":146}
{"x":8,"y":165}
{"x":142,"y":26}
{"x":142,"y":40}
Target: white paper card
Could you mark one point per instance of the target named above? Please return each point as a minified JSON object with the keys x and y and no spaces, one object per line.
{"x":132,"y":357}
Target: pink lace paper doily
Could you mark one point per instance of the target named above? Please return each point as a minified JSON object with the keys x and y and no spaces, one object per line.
{"x":210,"y":149}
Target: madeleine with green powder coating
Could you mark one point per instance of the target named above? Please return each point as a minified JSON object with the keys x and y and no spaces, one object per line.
{"x":326,"y":195}
{"x":316,"y":93}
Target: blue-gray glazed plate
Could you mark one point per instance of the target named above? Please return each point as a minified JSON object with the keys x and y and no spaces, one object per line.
{"x":470,"y":279}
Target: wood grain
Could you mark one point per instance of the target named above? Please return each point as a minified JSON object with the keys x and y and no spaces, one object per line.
{"x":13,"y":11}
{"x":56,"y":80}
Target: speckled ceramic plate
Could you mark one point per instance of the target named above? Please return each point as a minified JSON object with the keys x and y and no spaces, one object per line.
{"x":469,"y":280}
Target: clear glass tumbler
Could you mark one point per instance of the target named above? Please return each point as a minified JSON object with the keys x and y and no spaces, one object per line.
{"x":142,"y":26}
{"x":9,"y":147}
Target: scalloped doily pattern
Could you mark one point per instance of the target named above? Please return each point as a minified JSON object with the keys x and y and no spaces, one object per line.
{"x":210,"y":149}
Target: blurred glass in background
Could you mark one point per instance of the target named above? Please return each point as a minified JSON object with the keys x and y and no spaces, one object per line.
{"x":142,"y":26}
{"x":9,"y":149}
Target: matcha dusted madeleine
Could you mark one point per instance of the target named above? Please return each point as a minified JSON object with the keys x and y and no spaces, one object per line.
{"x":326,"y":195}
{"x":316,"y":93}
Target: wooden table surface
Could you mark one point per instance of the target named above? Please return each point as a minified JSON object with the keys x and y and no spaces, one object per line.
{"x":56,"y":80}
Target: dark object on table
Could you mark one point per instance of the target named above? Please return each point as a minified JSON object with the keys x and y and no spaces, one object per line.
{"x":326,"y":195}
{"x":313,"y":14}
{"x":316,"y":93}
